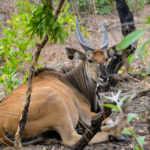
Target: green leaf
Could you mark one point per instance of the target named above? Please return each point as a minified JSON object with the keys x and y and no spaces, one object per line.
{"x":132,"y":115}
{"x":122,"y":100}
{"x":139,"y":116}
{"x":17,"y":82}
{"x":140,"y":140}
{"x":136,"y":148}
{"x":128,"y":131}
{"x":140,"y":48}
{"x":130,"y":58}
{"x":61,"y":39}
{"x":2,"y":52}
{"x":148,"y":19}
{"x":129,"y":39}
{"x":112,"y":106}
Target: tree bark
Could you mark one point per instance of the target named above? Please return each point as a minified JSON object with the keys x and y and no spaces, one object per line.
{"x":127,"y":26}
{"x":26,"y":103}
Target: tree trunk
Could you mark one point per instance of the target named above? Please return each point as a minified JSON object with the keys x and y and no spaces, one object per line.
{"x":26,"y":104}
{"x":127,"y":26}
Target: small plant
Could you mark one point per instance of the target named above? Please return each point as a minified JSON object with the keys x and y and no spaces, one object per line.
{"x":104,"y":6}
{"x":18,"y":36}
{"x":135,"y":5}
{"x":83,"y":5}
{"x":129,"y":130}
{"x":13,"y":45}
{"x":43,"y":21}
{"x":67,"y":17}
{"x":142,"y":49}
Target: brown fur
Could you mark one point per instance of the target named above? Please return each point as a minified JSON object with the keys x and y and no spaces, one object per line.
{"x":56,"y":102}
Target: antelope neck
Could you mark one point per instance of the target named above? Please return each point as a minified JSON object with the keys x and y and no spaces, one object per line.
{"x":81,"y":80}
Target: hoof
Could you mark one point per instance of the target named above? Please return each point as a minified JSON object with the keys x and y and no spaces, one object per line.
{"x":120,"y":139}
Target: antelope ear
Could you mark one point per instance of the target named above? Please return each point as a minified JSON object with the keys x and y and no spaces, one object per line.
{"x":74,"y":54}
{"x":113,"y":53}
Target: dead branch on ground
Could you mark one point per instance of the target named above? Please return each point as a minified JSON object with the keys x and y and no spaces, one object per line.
{"x":96,"y":123}
{"x":137,"y":94}
{"x":93,"y":129}
{"x":88,"y":135}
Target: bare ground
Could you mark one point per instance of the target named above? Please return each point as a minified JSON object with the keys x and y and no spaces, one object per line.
{"x":54,"y":56}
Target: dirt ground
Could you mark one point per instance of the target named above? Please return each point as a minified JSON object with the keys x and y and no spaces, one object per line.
{"x":54,"y":56}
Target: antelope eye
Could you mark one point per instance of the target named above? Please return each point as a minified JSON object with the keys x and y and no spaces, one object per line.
{"x":90,"y":61}
{"x":70,"y":57}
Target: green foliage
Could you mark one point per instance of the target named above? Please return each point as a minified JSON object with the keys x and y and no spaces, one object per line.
{"x":118,"y":107}
{"x":114,"y":107}
{"x":128,"y":131}
{"x":135,"y":5}
{"x":102,"y":6}
{"x":142,"y":48}
{"x":106,"y":6}
{"x":29,"y":20}
{"x":132,"y":115}
{"x":43,"y":22}
{"x":129,"y":39}
{"x":83,"y":5}
{"x":148,"y":1}
{"x":139,"y":139}
{"x":141,"y":51}
{"x":13,"y":45}
{"x":119,"y":102}
{"x":67,"y":17}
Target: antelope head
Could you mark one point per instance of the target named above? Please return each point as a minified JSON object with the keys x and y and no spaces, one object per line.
{"x":93,"y":58}
{"x":91,"y":74}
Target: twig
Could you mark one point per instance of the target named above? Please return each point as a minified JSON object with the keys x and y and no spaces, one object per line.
{"x":26,"y":103}
{"x":109,"y":28}
{"x":93,"y":129}
{"x":95,"y":125}
{"x":147,"y":116}
{"x":140,"y":94}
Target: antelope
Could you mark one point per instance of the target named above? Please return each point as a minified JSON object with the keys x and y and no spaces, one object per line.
{"x":59,"y":101}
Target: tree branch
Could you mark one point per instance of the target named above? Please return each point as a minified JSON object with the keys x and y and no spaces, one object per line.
{"x":26,"y":103}
{"x":127,"y":26}
{"x":93,"y":129}
{"x":140,"y":94}
{"x":89,"y":133}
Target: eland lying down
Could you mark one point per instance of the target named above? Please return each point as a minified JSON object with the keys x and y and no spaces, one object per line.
{"x":59,"y":101}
